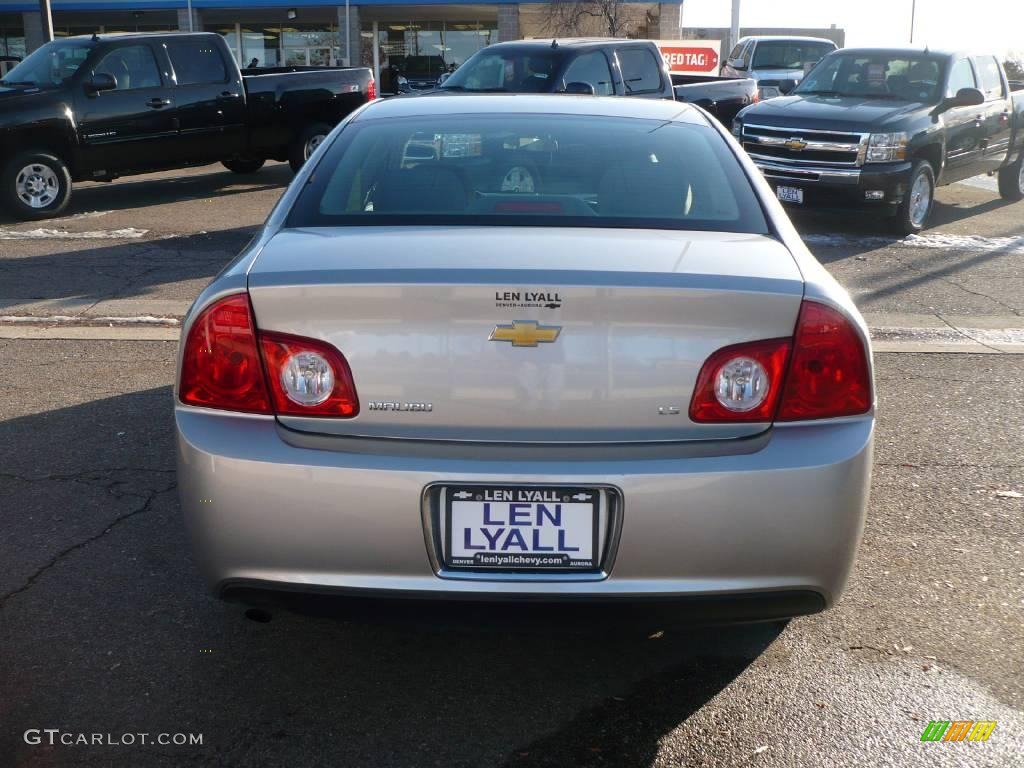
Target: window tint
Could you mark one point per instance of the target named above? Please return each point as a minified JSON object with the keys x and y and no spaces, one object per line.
{"x":590,"y":68}
{"x":771,"y":54}
{"x":532,"y":170}
{"x":735,"y":52}
{"x":962,"y":76}
{"x":641,"y":72}
{"x":988,"y":74}
{"x":132,"y":67}
{"x":196,"y":61}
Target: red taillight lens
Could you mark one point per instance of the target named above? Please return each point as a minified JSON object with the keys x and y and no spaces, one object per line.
{"x":371,"y":90}
{"x":221,"y":362}
{"x":308,"y":377}
{"x":741,"y":383}
{"x":829,"y":375}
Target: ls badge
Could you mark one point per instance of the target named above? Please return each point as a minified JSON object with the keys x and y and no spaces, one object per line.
{"x":525,"y":333}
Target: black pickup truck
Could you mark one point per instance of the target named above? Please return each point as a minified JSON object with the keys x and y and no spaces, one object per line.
{"x":595,"y":66}
{"x":95,"y":108}
{"x":878,"y":129}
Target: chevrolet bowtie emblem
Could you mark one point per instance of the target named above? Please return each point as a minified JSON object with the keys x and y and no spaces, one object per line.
{"x":797,"y":145}
{"x":525,"y":333}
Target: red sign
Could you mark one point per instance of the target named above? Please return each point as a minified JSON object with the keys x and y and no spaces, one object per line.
{"x":700,"y":57}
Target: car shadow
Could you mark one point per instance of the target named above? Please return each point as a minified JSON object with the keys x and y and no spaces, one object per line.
{"x":149,"y":190}
{"x":112,"y":630}
{"x":128,"y":269}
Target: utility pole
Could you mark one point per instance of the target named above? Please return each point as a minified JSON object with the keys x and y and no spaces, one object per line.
{"x":190,"y":29}
{"x":734,"y":29}
{"x":46,"y":19}
{"x":913,"y":13}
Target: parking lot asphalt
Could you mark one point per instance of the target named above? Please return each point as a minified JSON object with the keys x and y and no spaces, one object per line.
{"x":105,"y":626}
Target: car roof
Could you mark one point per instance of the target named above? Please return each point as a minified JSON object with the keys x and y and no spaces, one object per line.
{"x":555,"y":43}
{"x":904,"y":49}
{"x":440,"y":103}
{"x":108,"y":36}
{"x":794,"y":38}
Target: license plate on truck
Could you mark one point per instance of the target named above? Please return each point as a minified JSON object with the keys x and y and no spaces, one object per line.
{"x":790,"y":194}
{"x":521,"y":527}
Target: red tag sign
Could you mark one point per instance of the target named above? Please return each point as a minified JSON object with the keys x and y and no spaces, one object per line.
{"x":690,"y":59}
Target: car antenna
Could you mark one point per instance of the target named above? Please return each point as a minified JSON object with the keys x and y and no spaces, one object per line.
{"x":554,"y":43}
{"x":95,"y":37}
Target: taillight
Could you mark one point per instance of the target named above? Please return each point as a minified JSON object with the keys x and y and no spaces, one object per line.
{"x":221,"y":363}
{"x":825,"y":376}
{"x":829,"y":375}
{"x":371,"y":89}
{"x":741,"y":382}
{"x":222,"y":367}
{"x":308,"y":377}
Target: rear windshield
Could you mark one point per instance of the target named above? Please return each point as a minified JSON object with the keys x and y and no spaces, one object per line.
{"x":792,"y":54}
{"x":530,"y":169}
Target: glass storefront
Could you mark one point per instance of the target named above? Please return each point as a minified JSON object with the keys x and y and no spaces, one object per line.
{"x":421,"y":51}
{"x":12,"y":41}
{"x":277,"y":45}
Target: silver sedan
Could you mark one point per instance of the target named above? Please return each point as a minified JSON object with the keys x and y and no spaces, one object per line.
{"x":528,"y":347}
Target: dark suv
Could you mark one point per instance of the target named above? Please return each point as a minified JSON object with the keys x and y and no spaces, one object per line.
{"x":600,"y":67}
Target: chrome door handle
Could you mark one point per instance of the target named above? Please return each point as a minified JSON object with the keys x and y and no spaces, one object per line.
{"x":158,"y":103}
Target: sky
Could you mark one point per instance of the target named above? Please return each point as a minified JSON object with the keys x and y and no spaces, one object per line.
{"x":985,"y":25}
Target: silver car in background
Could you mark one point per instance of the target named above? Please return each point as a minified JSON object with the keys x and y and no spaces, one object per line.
{"x":777,"y":63}
{"x":528,"y":347}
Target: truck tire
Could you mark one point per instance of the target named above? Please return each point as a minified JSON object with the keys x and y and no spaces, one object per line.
{"x":913,"y":214}
{"x":1011,"y":180}
{"x":239,"y":165}
{"x":306,"y":143}
{"x":35,"y":185}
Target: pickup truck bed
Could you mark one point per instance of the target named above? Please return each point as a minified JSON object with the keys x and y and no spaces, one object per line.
{"x":95,"y":108}
{"x":722,"y":97}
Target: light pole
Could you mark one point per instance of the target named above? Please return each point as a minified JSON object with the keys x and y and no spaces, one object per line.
{"x":913,"y":13}
{"x":734,"y":29}
{"x":46,"y":20}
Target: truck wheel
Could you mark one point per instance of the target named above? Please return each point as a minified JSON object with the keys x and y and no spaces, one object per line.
{"x":239,"y":165}
{"x":35,"y":185}
{"x":305,"y":144}
{"x":916,"y":208}
{"x":1011,"y":180}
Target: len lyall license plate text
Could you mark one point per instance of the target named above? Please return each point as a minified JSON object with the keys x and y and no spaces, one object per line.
{"x":790,"y":194}
{"x":521,"y":528}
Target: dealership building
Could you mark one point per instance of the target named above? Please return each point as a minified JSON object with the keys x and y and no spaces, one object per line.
{"x":422,"y":38}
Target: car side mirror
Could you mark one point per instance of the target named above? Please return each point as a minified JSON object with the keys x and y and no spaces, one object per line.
{"x":738,"y":64}
{"x":965,"y":97}
{"x":586,"y":89}
{"x":99,"y":82}
{"x":786,"y":86}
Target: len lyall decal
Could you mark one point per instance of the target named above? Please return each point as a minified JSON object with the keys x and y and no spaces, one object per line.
{"x":958,"y":730}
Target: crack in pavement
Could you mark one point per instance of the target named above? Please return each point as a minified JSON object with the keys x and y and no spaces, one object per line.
{"x":148,"y":498}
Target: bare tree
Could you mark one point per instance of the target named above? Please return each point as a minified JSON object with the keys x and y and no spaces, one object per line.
{"x":574,"y":18}
{"x":1014,"y":67}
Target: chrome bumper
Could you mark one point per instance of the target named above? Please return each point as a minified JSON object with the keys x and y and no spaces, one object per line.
{"x":782,"y":172}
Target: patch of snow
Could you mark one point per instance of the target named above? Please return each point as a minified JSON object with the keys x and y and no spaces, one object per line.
{"x":936,"y":240}
{"x":129,"y":233}
{"x":88,"y":320}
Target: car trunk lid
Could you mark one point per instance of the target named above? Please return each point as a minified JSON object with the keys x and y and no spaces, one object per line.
{"x":525,"y":334}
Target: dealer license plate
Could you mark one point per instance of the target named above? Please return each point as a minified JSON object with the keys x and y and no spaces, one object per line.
{"x":790,"y":194}
{"x":521,"y":527}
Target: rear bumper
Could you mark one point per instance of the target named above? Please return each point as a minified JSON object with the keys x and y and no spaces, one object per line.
{"x":842,"y":188}
{"x":781,"y":515}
